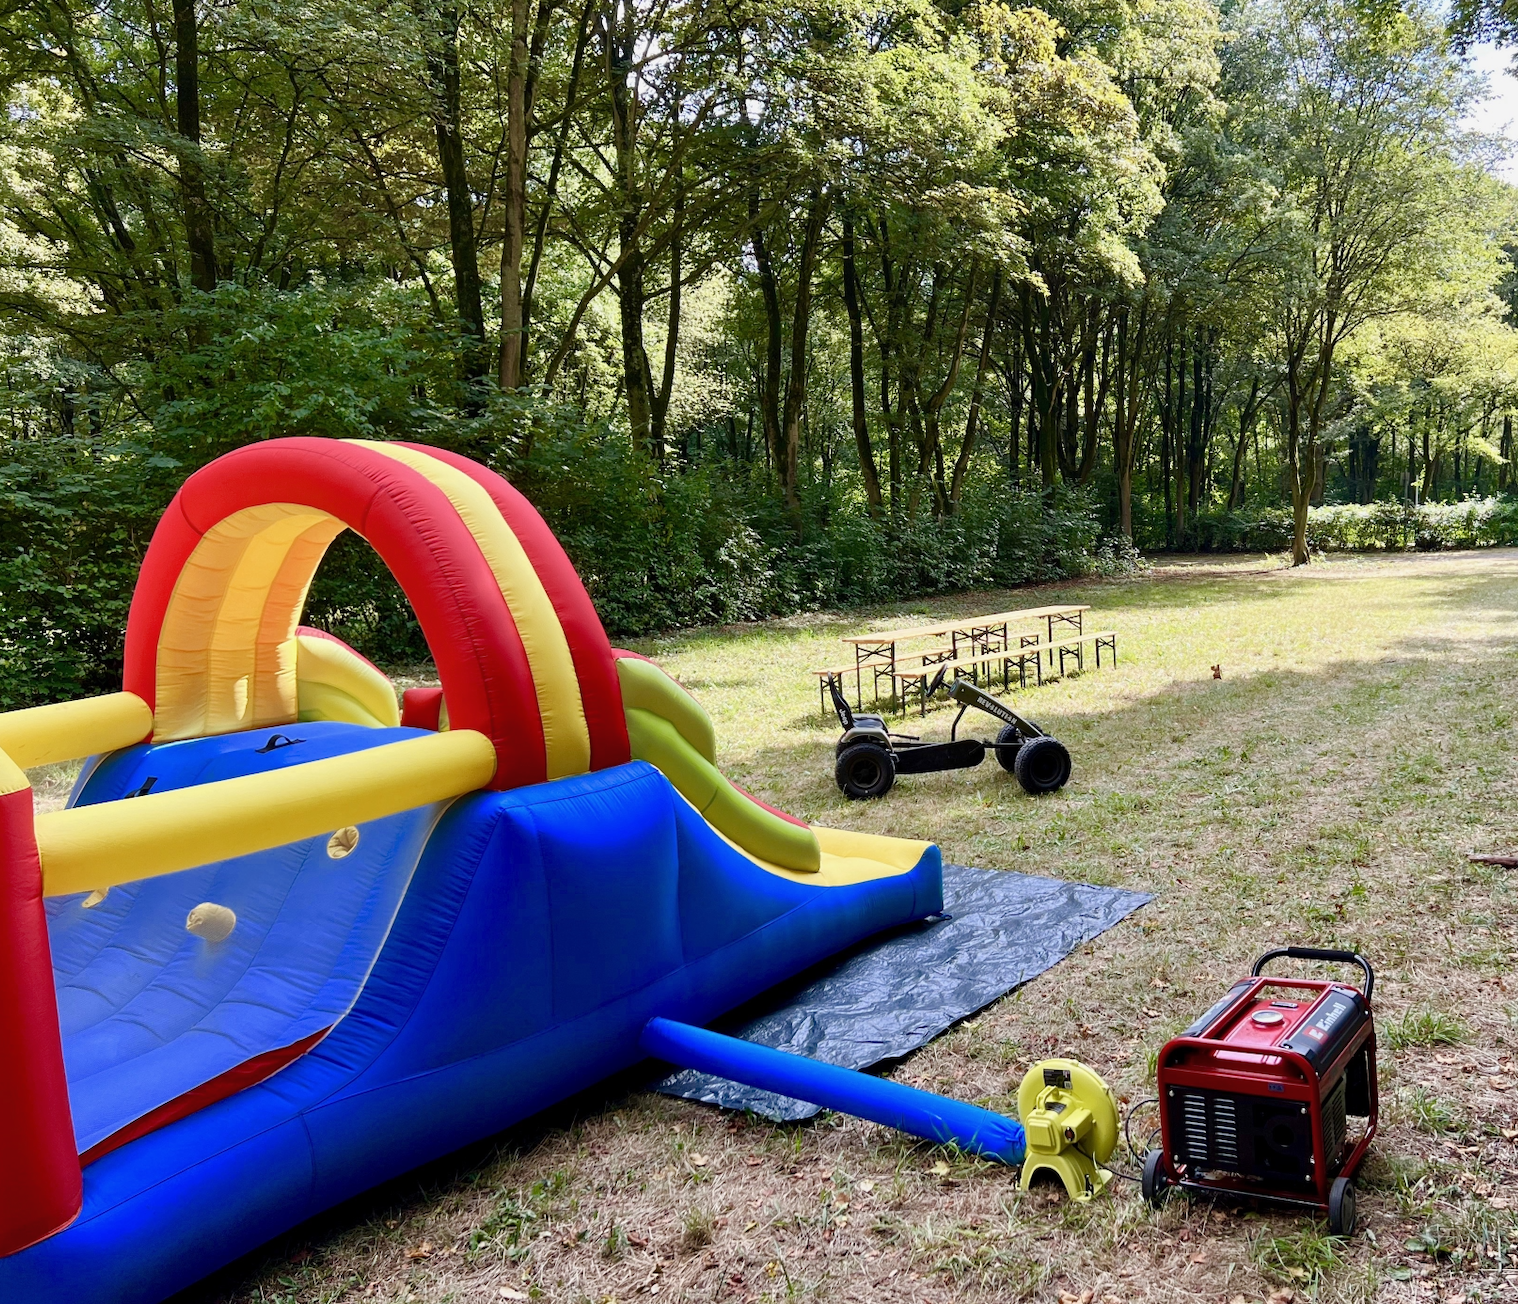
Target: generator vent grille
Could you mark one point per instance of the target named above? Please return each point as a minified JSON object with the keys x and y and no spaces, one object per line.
{"x":1209,"y":1130}
{"x":1335,"y":1124}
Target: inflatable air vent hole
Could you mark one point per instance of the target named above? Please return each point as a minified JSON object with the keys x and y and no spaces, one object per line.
{"x":212,"y":922}
{"x":342,"y":842}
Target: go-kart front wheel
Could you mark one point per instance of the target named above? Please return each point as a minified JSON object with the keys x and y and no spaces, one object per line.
{"x":865,"y":770}
{"x":1008,"y":743}
{"x":1042,"y":765}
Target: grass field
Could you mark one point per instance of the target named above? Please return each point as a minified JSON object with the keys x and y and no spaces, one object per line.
{"x":1325,"y":790}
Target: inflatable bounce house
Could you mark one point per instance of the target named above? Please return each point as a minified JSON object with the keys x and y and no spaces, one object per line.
{"x":288,"y":941}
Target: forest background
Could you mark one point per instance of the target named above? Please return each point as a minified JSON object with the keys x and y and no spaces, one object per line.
{"x":766,"y":304}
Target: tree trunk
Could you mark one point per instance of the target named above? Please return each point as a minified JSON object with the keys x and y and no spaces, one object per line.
{"x":862,"y":446}
{"x":1300,"y":477}
{"x":1095,"y":395}
{"x":1129,"y":404}
{"x":1015,"y":412}
{"x":1044,"y":383}
{"x":977,"y":394}
{"x":1179,"y":444}
{"x":618,"y":30}
{"x":192,"y":185}
{"x":800,"y":324}
{"x":1195,"y":442}
{"x":516,"y":201}
{"x":551,"y":188}
{"x":933,"y":408}
{"x":1167,"y":430}
{"x":443,"y":65}
{"x":666,"y":389}
{"x":769,"y":393}
{"x":1248,"y":414}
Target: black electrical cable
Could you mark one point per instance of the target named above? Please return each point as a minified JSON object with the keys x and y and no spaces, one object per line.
{"x":1108,"y":1168}
{"x":1128,"y":1125}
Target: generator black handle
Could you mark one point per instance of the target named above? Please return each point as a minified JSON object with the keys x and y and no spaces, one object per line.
{"x":1320,"y":953}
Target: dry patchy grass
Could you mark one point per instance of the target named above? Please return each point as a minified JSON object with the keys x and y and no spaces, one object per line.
{"x":1326,"y":790}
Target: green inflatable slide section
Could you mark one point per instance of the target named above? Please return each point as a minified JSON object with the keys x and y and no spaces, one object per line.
{"x":667,"y":728}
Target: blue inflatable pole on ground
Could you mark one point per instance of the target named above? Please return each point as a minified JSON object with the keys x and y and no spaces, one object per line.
{"x":935,"y":1118}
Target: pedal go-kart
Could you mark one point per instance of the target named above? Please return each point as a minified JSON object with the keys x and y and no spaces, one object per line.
{"x":870,"y":756}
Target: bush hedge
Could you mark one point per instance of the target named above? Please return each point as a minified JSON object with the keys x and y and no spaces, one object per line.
{"x":1374,"y":527}
{"x":658,"y":548}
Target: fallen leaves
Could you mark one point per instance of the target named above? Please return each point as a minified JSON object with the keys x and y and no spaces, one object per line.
{"x":422,"y":1251}
{"x":941,"y":1169}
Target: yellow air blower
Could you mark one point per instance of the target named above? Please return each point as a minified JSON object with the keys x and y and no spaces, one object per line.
{"x":1070,"y":1118}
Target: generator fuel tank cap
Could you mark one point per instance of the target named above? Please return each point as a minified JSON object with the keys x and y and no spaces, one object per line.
{"x":1267,"y":1018}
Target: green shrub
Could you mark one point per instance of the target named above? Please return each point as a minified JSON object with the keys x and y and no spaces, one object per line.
{"x":1372,"y":527}
{"x":75,"y":520}
{"x":660,"y":548}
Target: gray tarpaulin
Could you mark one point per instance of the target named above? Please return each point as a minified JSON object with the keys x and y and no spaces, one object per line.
{"x":890,"y":996}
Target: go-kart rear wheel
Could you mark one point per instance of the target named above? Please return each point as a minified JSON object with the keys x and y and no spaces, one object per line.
{"x":864,"y":770}
{"x":1043,"y":765}
{"x":1008,"y":743}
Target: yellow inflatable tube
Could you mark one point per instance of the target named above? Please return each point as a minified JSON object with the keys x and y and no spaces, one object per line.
{"x":745,"y":823}
{"x":65,"y":731}
{"x":90,"y":848}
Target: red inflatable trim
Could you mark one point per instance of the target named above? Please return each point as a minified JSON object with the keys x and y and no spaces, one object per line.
{"x":600,"y":691}
{"x":247,"y":1074}
{"x":417,"y":533}
{"x":619,"y":653}
{"x":789,"y":819}
{"x":41,"y":1189}
{"x":422,"y":708}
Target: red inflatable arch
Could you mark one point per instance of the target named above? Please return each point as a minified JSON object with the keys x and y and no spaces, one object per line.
{"x":210,"y":642}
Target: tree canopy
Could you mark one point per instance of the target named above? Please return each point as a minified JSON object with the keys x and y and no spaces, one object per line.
{"x":773,"y":303}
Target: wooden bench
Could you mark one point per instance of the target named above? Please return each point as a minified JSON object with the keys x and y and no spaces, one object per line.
{"x":905,"y":682}
{"x":1075,"y":646}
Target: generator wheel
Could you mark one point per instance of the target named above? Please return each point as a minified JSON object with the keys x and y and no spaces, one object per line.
{"x":1155,"y":1183}
{"x":1042,"y":765}
{"x":864,"y":771}
{"x":1008,"y":743}
{"x":1341,"y":1207}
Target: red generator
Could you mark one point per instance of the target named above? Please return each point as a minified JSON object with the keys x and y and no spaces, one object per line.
{"x":1256,"y":1095}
